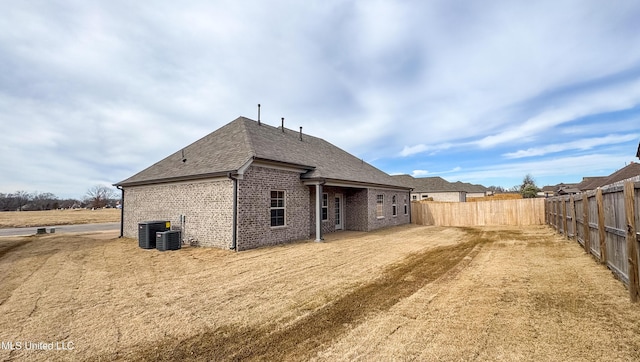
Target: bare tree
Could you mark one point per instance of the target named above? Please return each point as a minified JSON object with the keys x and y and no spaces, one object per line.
{"x":99,"y":196}
{"x":44,"y":201}
{"x":497,"y":189}
{"x":21,"y":199}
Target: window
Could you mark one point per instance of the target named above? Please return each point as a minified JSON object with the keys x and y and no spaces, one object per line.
{"x":406,"y":208}
{"x":414,"y":197}
{"x":380,"y":206}
{"x":394,"y":206}
{"x":325,"y":207}
{"x":277,"y":208}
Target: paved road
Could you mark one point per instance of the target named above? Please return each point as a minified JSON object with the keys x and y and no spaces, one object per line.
{"x":63,"y":229}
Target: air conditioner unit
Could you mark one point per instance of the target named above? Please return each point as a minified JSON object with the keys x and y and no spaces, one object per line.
{"x":168,"y":240}
{"x":147,"y":232}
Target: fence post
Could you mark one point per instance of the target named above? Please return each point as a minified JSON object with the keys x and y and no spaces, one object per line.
{"x":632,"y":251}
{"x":601,"y":231}
{"x":574,"y":222}
{"x":564,"y":218}
{"x":546,"y":211}
{"x":556,"y":217}
{"x":585,"y":219}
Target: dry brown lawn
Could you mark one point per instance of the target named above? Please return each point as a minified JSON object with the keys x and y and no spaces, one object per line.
{"x":405,"y":293}
{"x":17,"y":219}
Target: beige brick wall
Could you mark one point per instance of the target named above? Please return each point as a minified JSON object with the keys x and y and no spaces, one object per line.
{"x":254,"y":217}
{"x":207,"y":206}
{"x":357,"y":210}
{"x":360,"y":209}
{"x":388,"y":219}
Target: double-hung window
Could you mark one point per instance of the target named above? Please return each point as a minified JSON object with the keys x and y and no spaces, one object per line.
{"x":394,"y":205}
{"x":406,"y":208}
{"x":380,"y":206}
{"x":325,"y":207}
{"x":278,"y":208}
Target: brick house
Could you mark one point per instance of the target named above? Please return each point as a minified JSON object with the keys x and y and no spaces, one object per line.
{"x":249,"y":184}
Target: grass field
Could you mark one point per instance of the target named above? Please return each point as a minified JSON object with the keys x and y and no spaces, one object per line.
{"x":405,"y":293}
{"x":16,"y":219}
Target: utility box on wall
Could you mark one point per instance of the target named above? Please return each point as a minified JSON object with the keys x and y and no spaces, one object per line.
{"x":147,"y":232}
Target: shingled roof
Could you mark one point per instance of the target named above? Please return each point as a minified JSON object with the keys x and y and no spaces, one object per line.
{"x":428,"y":184}
{"x":232,"y":146}
{"x":627,"y":172}
{"x":590,"y":183}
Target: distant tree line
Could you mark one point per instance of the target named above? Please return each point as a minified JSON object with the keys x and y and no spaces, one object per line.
{"x":96,"y":197}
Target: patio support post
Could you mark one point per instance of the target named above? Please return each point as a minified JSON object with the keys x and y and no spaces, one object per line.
{"x":318,"y":212}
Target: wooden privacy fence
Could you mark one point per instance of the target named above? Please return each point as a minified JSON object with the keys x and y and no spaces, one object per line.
{"x":481,"y":213}
{"x":604,"y":222}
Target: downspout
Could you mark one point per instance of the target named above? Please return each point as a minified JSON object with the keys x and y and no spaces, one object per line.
{"x":121,"y":211}
{"x":234,"y":235}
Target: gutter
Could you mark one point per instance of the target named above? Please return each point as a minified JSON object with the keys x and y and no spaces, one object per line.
{"x":234,"y":235}
{"x":121,"y":211}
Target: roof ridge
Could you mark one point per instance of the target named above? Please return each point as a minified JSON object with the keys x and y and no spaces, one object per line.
{"x":246,"y":134}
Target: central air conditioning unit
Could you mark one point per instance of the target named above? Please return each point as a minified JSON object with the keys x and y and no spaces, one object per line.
{"x":147,"y":232}
{"x":168,"y":240}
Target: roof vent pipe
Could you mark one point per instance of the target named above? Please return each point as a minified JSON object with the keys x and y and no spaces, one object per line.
{"x":258,"y":114}
{"x":282,"y":124}
{"x":300,"y":133}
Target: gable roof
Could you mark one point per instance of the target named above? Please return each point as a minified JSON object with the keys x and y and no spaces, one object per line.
{"x":590,"y":183}
{"x":243,"y":140}
{"x":469,"y":187}
{"x":627,"y":172}
{"x":428,"y":184}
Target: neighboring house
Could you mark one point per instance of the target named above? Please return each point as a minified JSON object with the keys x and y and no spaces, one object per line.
{"x":559,"y":189}
{"x":249,"y":184}
{"x":472,"y":190}
{"x":436,"y":188}
{"x":547,"y":191}
{"x":570,"y":189}
{"x":590,"y":183}
{"x":630,"y":171}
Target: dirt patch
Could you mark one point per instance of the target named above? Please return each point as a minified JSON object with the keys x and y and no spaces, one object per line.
{"x":9,"y":245}
{"x":300,"y":339}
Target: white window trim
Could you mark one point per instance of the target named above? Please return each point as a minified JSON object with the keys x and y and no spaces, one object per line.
{"x":284,"y":207}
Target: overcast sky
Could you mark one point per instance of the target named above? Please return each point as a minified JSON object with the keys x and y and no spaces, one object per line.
{"x":91,"y":92}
